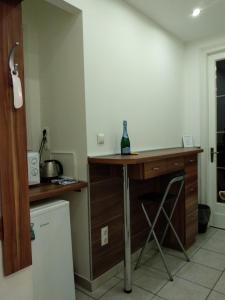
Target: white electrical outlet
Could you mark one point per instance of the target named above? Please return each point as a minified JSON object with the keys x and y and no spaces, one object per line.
{"x":104,"y":236}
{"x":100,"y":138}
{"x":47,"y":144}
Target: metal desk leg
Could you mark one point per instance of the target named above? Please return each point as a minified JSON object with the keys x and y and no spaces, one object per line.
{"x":127,"y":235}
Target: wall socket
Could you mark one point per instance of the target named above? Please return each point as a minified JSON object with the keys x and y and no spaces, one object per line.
{"x":104,"y":236}
{"x":100,"y":138}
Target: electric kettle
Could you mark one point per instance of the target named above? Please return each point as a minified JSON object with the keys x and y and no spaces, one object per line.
{"x":51,"y":169}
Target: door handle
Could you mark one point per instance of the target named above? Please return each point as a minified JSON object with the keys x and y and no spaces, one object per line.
{"x":212,"y":152}
{"x":16,"y":83}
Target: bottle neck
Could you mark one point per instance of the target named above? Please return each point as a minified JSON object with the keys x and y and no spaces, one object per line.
{"x":125,"y":134}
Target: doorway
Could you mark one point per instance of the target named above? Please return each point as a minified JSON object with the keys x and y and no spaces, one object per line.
{"x":216,"y":167}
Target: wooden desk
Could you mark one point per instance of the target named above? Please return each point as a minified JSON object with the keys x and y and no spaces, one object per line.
{"x":105,"y":185}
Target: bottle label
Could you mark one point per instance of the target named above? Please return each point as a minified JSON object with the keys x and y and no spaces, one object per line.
{"x":125,"y":150}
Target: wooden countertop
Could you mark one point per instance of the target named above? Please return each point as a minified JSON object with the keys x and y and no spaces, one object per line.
{"x":49,"y":190}
{"x":144,"y":156}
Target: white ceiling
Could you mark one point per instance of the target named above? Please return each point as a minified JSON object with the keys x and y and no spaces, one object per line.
{"x":175,"y":16}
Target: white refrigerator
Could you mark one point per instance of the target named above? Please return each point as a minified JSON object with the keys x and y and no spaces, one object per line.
{"x":53,"y":276}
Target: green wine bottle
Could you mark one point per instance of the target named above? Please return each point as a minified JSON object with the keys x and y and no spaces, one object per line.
{"x":125,"y":142}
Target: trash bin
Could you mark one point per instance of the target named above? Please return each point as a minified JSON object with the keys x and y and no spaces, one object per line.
{"x":203,"y":217}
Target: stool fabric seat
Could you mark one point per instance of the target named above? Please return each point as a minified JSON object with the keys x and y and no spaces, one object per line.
{"x":161,"y":199}
{"x":156,"y":197}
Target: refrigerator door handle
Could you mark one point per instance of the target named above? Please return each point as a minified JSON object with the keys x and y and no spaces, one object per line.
{"x":32,"y":233}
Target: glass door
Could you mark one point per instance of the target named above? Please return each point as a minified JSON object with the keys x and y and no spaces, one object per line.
{"x":216,"y":129}
{"x":220,"y":131}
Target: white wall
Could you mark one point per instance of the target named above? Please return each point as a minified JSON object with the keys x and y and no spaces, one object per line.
{"x":16,"y":286}
{"x":32,"y":82}
{"x":139,"y":79}
{"x":133,"y":71}
{"x":63,"y":109}
{"x":54,"y":64}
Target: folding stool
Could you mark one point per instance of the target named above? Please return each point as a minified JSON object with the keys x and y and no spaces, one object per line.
{"x":179,"y":180}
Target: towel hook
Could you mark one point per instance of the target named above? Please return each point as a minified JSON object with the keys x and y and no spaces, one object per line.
{"x":13,"y":67}
{"x":16,"y":83}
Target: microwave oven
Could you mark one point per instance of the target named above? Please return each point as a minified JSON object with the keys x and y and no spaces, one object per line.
{"x":33,"y":167}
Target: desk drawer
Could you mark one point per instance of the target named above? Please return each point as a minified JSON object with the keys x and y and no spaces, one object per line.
{"x":175,"y":164}
{"x":154,"y":169}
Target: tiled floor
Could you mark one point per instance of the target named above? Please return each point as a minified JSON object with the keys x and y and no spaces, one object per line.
{"x":202,"y":278}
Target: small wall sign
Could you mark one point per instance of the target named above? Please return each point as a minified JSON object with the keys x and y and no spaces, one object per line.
{"x":187,"y":141}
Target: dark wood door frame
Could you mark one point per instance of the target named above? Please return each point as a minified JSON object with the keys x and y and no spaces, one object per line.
{"x":14,"y":199}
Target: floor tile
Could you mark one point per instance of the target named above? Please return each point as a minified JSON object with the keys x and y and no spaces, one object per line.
{"x":210,"y":259}
{"x":220,"y":286}
{"x":220,"y":235}
{"x":174,"y":263}
{"x":200,"y":239}
{"x":190,"y":252}
{"x":81,"y":296}
{"x":117,"y":293}
{"x":158,"y":298}
{"x":216,"y":296}
{"x":146,"y":256}
{"x":102,"y":289}
{"x":199,"y":274}
{"x":150,"y":279}
{"x":181,"y":289}
{"x":216,"y":245}
{"x":135,"y":273}
{"x":211,"y":231}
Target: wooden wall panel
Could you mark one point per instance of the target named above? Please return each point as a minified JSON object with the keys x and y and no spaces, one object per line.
{"x":14,"y":198}
{"x":191,"y":200}
{"x":106,"y":193}
{"x":106,"y":196}
{"x":106,"y":202}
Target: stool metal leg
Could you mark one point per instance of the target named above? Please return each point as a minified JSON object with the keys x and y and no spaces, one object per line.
{"x":158,"y":246}
{"x":177,"y":237}
{"x":171,"y":214}
{"x":169,"y":223}
{"x":150,"y":233}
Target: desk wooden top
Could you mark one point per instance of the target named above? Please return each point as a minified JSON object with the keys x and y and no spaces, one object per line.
{"x":144,"y":156}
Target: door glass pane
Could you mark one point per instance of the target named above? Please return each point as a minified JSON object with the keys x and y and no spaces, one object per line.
{"x":220,"y":96}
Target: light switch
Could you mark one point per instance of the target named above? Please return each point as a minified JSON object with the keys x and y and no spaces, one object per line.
{"x":100,"y":138}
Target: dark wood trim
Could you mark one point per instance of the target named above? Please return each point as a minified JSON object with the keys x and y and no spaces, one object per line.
{"x":11,"y":2}
{"x":1,"y":229}
{"x":49,"y":190}
{"x":14,"y":197}
{"x":143,"y":157}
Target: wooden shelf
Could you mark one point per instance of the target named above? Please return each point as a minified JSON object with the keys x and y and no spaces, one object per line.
{"x":49,"y":190}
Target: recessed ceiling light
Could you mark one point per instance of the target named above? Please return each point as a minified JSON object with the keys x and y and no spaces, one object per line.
{"x":196,"y":12}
